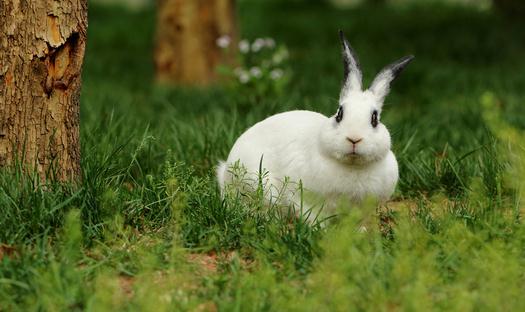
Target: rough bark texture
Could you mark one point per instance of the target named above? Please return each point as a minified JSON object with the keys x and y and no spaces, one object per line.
{"x":187,"y":31}
{"x":41,"y":53}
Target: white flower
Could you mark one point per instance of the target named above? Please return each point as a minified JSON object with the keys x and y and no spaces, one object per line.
{"x":244,"y":46}
{"x":244,"y":77}
{"x":269,"y":42}
{"x":223,"y":41}
{"x":238,"y":71}
{"x":276,"y":74}
{"x":280,"y":56}
{"x":258,"y":44}
{"x":256,"y":72}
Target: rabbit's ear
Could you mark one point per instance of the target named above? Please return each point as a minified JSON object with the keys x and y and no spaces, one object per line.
{"x":381,"y":84}
{"x":353,"y":76}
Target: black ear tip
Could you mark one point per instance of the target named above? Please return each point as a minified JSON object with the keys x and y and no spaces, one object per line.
{"x":406,"y":60}
{"x":398,"y":66}
{"x":341,"y":35}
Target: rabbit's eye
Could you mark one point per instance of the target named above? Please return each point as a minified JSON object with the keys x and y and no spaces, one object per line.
{"x":339,"y":115}
{"x":374,"y":121}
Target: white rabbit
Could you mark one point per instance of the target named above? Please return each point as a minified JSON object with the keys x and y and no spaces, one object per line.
{"x":346,"y":155}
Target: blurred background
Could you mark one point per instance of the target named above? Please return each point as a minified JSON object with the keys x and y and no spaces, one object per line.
{"x":485,"y":4}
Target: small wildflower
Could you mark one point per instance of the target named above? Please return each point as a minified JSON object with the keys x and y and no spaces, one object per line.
{"x":244,"y":46}
{"x":258,"y":44}
{"x":238,"y":71}
{"x":280,"y":56}
{"x":269,"y":42}
{"x":276,"y":74}
{"x":223,"y":41}
{"x":256,"y":72}
{"x":244,"y":77}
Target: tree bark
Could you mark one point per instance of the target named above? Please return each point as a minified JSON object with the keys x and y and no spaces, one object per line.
{"x":42,"y":46}
{"x":187,"y":32}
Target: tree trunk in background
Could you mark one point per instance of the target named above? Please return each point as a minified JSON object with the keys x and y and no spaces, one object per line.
{"x":41,"y":53}
{"x":510,"y":7}
{"x":187,"y":32}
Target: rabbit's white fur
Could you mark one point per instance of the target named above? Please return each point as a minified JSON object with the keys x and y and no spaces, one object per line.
{"x":316,"y":150}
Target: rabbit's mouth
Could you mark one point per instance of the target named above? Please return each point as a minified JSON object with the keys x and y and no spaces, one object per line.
{"x":354,"y":157}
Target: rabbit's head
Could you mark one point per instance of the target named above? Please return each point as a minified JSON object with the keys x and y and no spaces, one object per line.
{"x":355,"y":134}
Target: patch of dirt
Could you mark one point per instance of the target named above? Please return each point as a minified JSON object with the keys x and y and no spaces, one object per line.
{"x":7,"y":251}
{"x":207,"y":307}
{"x":212,"y":262}
{"x":126,"y":284}
{"x":207,"y":262}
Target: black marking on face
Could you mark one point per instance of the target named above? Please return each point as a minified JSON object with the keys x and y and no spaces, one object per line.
{"x":374,"y":120}
{"x":339,"y":115}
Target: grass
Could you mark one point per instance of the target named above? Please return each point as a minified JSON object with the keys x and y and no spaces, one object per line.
{"x":148,"y":230}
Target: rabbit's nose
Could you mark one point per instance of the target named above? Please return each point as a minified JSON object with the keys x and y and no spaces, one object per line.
{"x":354,"y":141}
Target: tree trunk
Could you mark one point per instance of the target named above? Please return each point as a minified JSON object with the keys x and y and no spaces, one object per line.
{"x":187,"y":32}
{"x":41,"y":53}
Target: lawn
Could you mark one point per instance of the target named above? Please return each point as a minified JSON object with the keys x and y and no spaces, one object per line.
{"x":148,"y":230}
